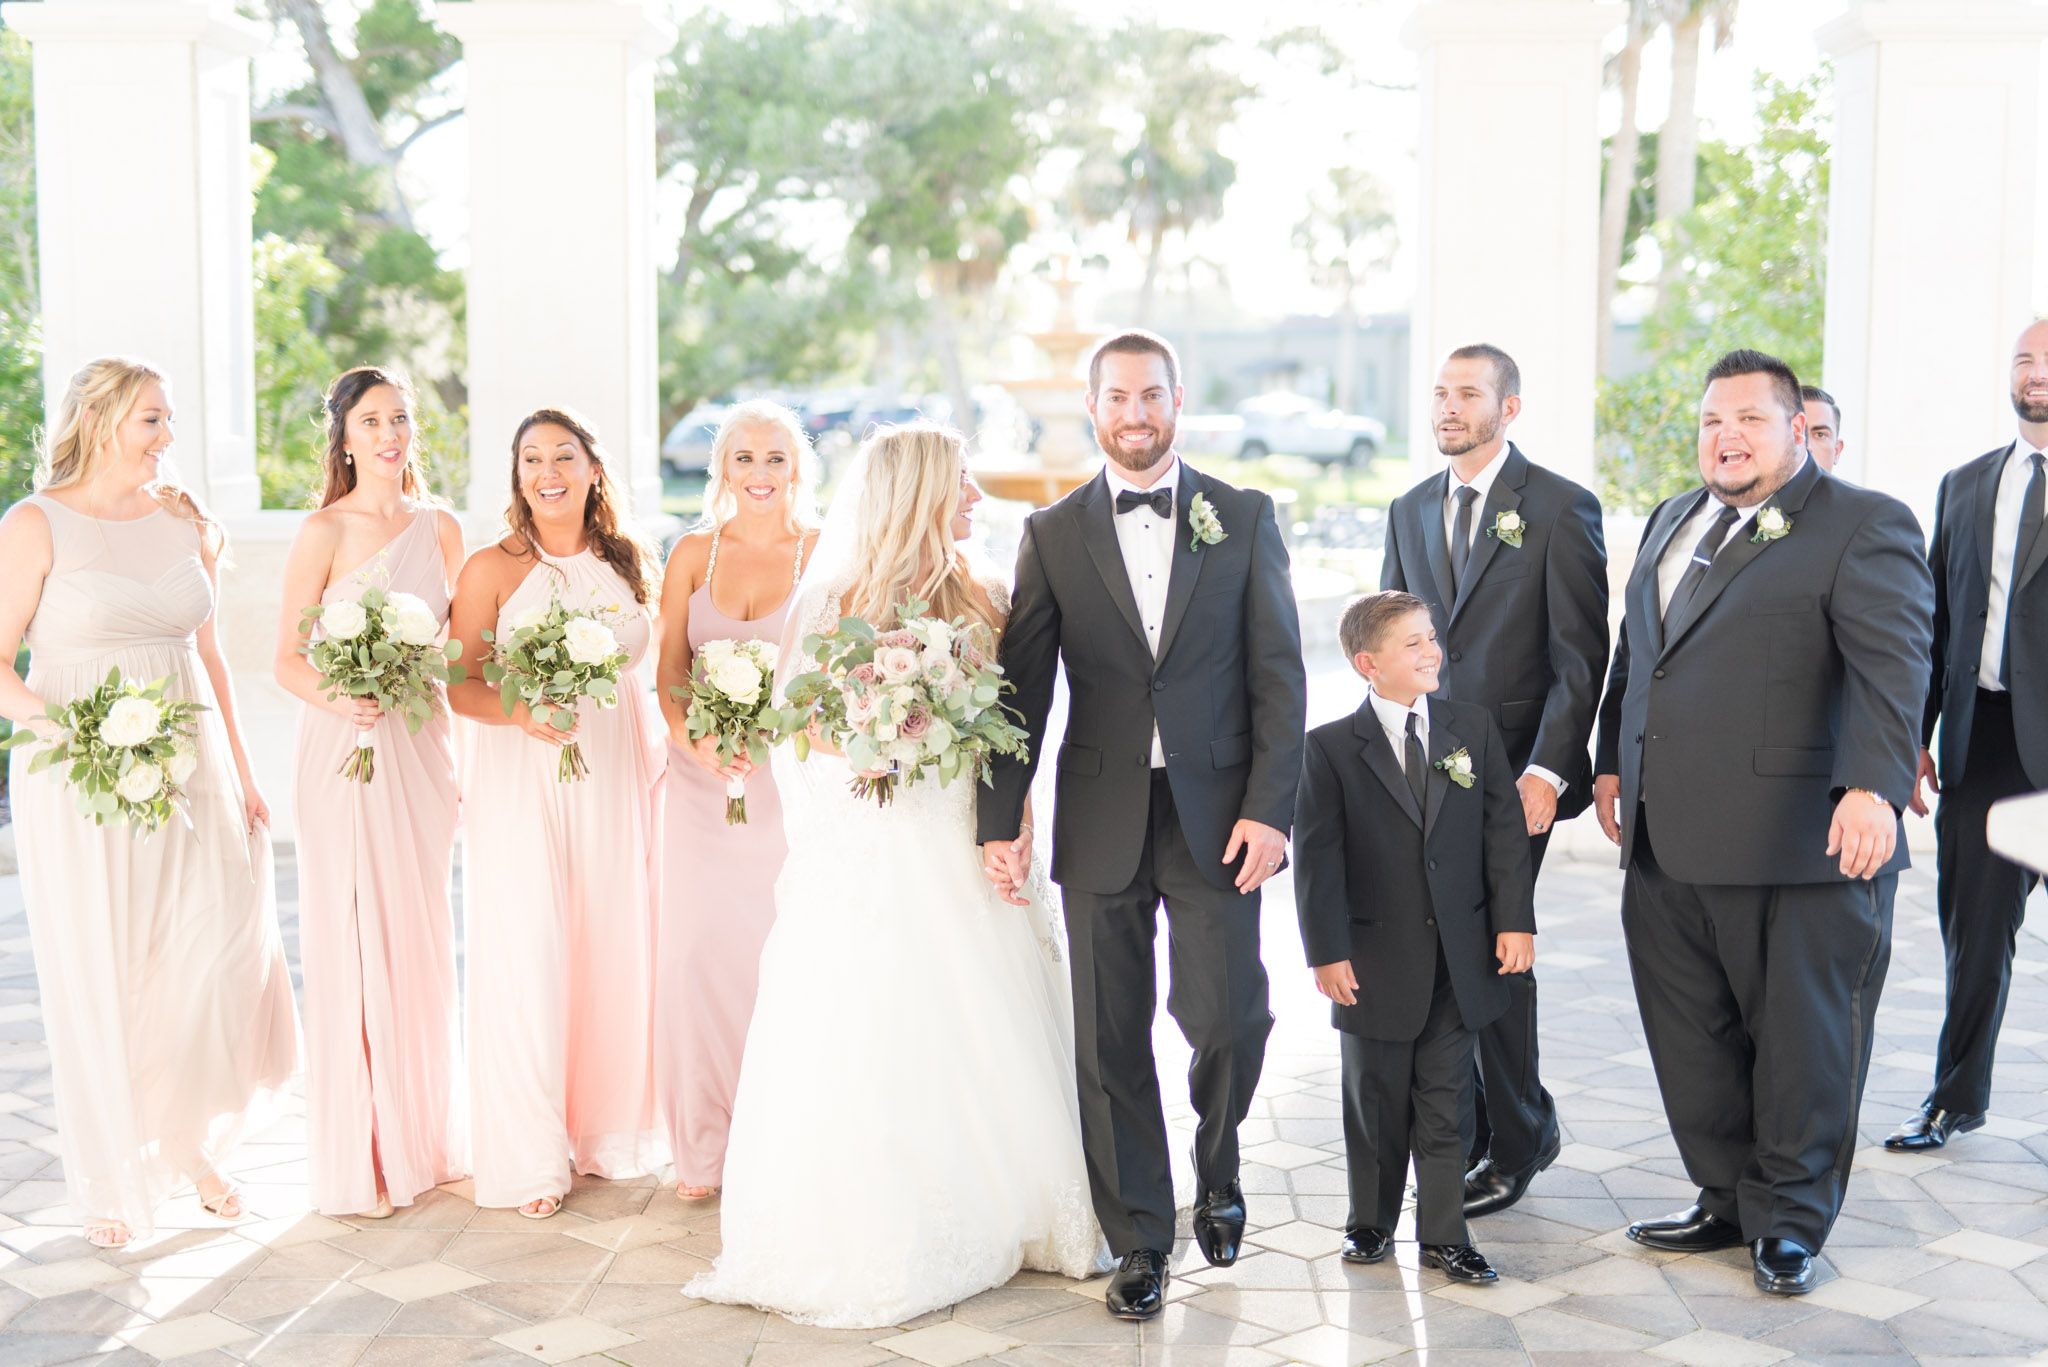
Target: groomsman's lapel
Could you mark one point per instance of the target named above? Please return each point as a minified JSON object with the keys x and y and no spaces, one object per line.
{"x":1441,"y":744}
{"x":1735,"y":557}
{"x":1506,"y":493}
{"x":1379,"y":757}
{"x":1097,"y":512}
{"x":1430,"y":510}
{"x":1644,"y":576}
{"x":1187,"y":558}
{"x":1984,"y":506}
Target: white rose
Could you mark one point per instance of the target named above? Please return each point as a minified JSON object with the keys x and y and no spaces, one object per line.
{"x":142,"y":782}
{"x":766,"y":655}
{"x":183,"y":761}
{"x":944,"y":672}
{"x":940,"y":634}
{"x":343,"y":620}
{"x":524,"y":618}
{"x":415,"y":622}
{"x":737,"y":678}
{"x":589,"y":641}
{"x":714,"y":654}
{"x":1510,"y":522}
{"x":131,"y":721}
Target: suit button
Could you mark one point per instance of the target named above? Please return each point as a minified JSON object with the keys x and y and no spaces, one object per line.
{"x":1429,"y":920}
{"x":1432,"y":865}
{"x":1457,"y":656}
{"x":1656,"y":673}
{"x":1159,"y":685}
{"x":1639,"y":738}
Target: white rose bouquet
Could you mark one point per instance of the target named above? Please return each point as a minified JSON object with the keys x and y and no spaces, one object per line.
{"x":129,"y":752}
{"x":554,"y":658}
{"x":925,"y":698}
{"x":385,"y":646}
{"x":730,"y":696}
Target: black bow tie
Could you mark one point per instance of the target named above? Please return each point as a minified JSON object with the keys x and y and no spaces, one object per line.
{"x":1159,"y":501}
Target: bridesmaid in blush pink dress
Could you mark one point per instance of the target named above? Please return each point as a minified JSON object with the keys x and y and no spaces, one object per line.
{"x":385,"y":1115}
{"x":719,"y":901}
{"x":559,"y":879}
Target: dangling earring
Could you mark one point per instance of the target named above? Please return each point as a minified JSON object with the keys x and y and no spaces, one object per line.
{"x":347,"y":459}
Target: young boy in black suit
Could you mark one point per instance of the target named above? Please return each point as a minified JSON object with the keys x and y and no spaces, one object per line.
{"x":1412,"y":881}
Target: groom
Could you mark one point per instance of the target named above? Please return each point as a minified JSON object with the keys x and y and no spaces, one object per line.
{"x":1168,"y":594}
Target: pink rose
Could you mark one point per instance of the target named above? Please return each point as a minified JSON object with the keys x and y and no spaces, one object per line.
{"x":860,"y":709}
{"x":862,"y":673}
{"x":896,"y":662}
{"x":898,"y":638}
{"x":915,"y":723}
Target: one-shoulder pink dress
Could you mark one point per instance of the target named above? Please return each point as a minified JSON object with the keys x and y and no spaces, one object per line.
{"x":376,"y":937}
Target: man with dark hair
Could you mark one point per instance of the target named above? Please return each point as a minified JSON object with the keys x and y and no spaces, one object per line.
{"x":1823,"y":426}
{"x":1756,"y":746}
{"x":1133,"y":342}
{"x":1509,"y":556}
{"x":1989,"y":692}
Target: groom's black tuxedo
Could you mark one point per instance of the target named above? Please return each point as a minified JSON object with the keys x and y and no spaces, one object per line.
{"x":1227,"y":692}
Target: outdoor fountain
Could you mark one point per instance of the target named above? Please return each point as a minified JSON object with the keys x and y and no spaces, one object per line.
{"x":1065,"y":456}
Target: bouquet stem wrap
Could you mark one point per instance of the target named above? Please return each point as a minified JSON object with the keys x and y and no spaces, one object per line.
{"x":361,"y":764}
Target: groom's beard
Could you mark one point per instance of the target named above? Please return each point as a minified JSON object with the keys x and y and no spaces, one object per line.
{"x":1139,"y":458}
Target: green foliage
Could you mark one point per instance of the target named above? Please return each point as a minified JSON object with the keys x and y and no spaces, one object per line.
{"x":293,"y":367}
{"x":1754,"y":275}
{"x":21,"y":373}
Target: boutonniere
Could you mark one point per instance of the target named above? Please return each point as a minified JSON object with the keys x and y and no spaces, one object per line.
{"x":1203,"y":522}
{"x":1457,"y":767}
{"x":1771,"y":523}
{"x":1508,"y":526}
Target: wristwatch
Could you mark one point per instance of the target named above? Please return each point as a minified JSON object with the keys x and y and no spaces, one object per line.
{"x":1879,"y":798}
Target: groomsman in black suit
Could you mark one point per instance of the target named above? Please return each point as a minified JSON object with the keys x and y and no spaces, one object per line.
{"x":1990,"y":694}
{"x":1823,"y":426}
{"x":1759,"y":735}
{"x":1510,"y":558}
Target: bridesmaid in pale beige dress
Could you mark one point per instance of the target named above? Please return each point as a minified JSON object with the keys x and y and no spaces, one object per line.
{"x":162,"y":980}
{"x":560,"y":879}
{"x":720,"y":900}
{"x":385,"y":1117}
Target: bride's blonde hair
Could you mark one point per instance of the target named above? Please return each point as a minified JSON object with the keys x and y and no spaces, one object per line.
{"x":904,"y":546}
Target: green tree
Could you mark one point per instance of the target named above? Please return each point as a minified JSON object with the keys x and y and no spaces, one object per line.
{"x":293,"y":366}
{"x":21,"y":361}
{"x":1754,"y":275}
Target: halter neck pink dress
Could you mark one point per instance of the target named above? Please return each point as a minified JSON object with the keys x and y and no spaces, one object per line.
{"x":164,"y":990}
{"x":558,"y":889}
{"x":376,"y":937}
{"x":716,"y":907}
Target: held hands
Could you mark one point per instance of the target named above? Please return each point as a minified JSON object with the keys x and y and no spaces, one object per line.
{"x":1606,"y":802}
{"x":1863,"y":832}
{"x":1539,"y":802}
{"x":1516,"y":950}
{"x":1918,"y":804}
{"x":543,"y":729}
{"x":1007,"y":863}
{"x":1264,"y":848}
{"x":1338,"y":982}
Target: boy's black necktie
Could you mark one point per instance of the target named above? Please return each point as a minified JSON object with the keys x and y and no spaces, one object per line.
{"x":1416,"y":764}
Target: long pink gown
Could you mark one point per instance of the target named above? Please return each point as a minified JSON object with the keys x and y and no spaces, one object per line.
{"x":164,"y":989}
{"x":559,"y":884}
{"x":376,"y":936}
{"x":716,"y":908}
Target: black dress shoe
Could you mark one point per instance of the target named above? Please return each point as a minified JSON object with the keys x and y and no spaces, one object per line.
{"x":1366,"y":1245}
{"x":1488,"y":1190}
{"x":1691,"y":1230}
{"x":1459,"y":1262}
{"x":1137,"y":1289}
{"x":1219,"y":1224}
{"x":1781,"y":1267}
{"x":1932,"y":1127}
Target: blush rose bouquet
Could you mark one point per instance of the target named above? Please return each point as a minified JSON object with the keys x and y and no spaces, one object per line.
{"x":126,"y":749}
{"x":385,"y":646}
{"x":552,"y":659}
{"x":731,"y":696}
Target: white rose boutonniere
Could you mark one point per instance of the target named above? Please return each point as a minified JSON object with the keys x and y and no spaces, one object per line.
{"x":1771,"y":523}
{"x":1508,"y":526}
{"x":1206,"y":527}
{"x":1457,"y":766}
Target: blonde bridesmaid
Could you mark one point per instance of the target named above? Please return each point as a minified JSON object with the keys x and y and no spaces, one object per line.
{"x":385,"y":1120}
{"x":164,"y":989}
{"x":732,"y":581}
{"x":559,"y":879}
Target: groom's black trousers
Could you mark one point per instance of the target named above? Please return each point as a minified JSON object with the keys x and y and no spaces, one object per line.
{"x":1218,"y":997}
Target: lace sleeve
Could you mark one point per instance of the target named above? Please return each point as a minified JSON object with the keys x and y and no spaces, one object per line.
{"x":815,"y":613}
{"x":997,"y":587}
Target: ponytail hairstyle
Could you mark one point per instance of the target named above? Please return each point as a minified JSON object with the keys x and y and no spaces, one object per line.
{"x":348,"y":390}
{"x":97,"y":400}
{"x":605,"y":523}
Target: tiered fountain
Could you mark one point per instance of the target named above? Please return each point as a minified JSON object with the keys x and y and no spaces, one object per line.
{"x":1065,"y":456}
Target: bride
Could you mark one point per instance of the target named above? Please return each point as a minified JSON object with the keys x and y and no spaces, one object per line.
{"x":905,"y":1133}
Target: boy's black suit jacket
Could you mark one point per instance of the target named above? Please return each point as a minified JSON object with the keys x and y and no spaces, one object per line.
{"x":1384,"y":885}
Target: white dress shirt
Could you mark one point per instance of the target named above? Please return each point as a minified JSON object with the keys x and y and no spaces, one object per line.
{"x":1483,"y":483}
{"x":1146,"y":540}
{"x":1394,"y":721}
{"x":2005,"y":536}
{"x":1678,"y":554}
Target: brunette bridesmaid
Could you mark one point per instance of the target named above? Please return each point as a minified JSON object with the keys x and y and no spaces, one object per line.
{"x":731,"y":581}
{"x":559,"y":878}
{"x":384,"y":1119}
{"x":164,"y":989}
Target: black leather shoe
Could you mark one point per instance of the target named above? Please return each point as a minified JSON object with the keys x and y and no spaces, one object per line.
{"x":1781,"y":1267}
{"x":1488,"y":1190}
{"x":1219,"y":1224}
{"x":1137,"y":1289}
{"x":1691,"y":1230}
{"x":1459,"y":1262}
{"x":1932,"y":1127}
{"x":1366,"y":1245}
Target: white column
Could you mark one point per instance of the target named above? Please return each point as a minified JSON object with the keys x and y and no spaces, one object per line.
{"x":1933,"y":238}
{"x":1508,"y":236}
{"x":143,"y":206}
{"x":561,"y":203}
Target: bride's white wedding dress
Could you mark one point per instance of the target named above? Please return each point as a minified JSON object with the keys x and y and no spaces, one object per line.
{"x":905,"y":1133}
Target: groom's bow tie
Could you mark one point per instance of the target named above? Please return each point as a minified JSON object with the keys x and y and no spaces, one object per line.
{"x":1159,"y":501}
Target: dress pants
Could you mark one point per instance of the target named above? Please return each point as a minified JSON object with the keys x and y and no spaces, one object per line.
{"x":1514,"y":1117}
{"x":1217,"y":996}
{"x":1410,"y":1097}
{"x":1982,"y":900}
{"x":1759,"y":1005}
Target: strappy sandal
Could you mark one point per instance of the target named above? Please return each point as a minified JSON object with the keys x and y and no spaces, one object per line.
{"x":108,"y":1233}
{"x":689,"y":1193}
{"x":549,"y":1205}
{"x":217,"y":1206}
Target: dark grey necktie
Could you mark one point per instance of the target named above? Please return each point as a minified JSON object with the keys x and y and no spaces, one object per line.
{"x":2032,"y":505}
{"x":1416,"y":763}
{"x":1702,"y":560}
{"x":1461,"y":535}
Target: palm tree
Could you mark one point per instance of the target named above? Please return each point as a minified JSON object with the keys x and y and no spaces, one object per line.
{"x":1678,"y":146}
{"x":1621,"y":172}
{"x":1348,"y":233}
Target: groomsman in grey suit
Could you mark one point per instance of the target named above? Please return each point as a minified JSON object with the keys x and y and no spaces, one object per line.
{"x":1989,"y":691}
{"x":1509,"y":557}
{"x":1756,"y":746}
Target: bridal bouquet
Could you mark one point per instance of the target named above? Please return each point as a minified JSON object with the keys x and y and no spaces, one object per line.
{"x":128,"y":752}
{"x":554,"y":658}
{"x":385,"y":646}
{"x":923,"y":698}
{"x":730,"y":696}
